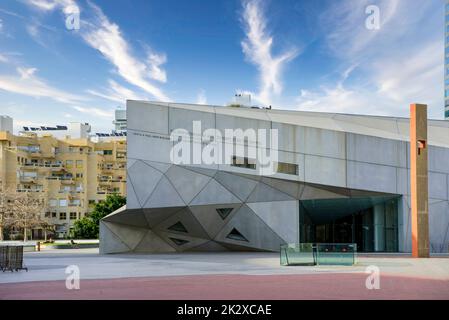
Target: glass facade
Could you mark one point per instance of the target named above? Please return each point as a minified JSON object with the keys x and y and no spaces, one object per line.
{"x":446,"y":60}
{"x":371,"y":222}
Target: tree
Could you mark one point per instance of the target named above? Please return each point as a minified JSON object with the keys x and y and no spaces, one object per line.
{"x":5,"y":209}
{"x":89,"y":227}
{"x":25,"y":211}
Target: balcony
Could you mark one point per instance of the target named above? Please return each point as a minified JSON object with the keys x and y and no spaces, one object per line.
{"x":57,"y":166}
{"x":24,"y":179}
{"x":67,"y":180}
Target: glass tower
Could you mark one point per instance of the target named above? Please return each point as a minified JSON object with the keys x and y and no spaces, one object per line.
{"x":446,"y":63}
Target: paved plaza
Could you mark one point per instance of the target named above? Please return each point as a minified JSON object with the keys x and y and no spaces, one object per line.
{"x":231,"y":275}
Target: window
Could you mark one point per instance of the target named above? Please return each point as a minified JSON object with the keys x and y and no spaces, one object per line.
{"x":91,"y":202}
{"x":79,"y":164}
{"x":62,"y":202}
{"x":69,"y":164}
{"x":47,"y":214}
{"x":53,"y":202}
{"x":288,"y":168}
{"x":107,"y":152}
{"x":179,"y":242}
{"x":62,"y":216}
{"x":79,"y":175}
{"x":243,"y":162}
{"x":224,"y":212}
{"x":236,"y":235}
{"x":53,"y":214}
{"x":178,"y":227}
{"x":75,"y":203}
{"x":73,"y":215}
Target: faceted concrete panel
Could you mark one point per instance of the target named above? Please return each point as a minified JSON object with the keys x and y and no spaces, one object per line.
{"x":192,"y":242}
{"x":142,"y":145}
{"x":214,"y":193}
{"x":403,"y":181}
{"x":155,"y":216}
{"x":131,"y":199}
{"x":152,"y":243}
{"x":131,"y":236}
{"x":291,"y":138}
{"x":373,"y":177}
{"x":109,"y":242}
{"x":164,"y":195}
{"x":144,"y":179}
{"x":293,"y":189}
{"x":162,"y":167}
{"x":210,"y":246}
{"x":130,"y":162}
{"x":438,"y":159}
{"x":438,"y":185}
{"x":376,"y":150}
{"x":187,"y":183}
{"x":264,"y":193}
{"x":147,"y":117}
{"x":129,"y":217}
{"x":239,"y":186}
{"x":311,"y":192}
{"x":230,"y":122}
{"x":326,"y":143}
{"x":209,"y":218}
{"x":439,"y":226}
{"x":281,"y":216}
{"x":183,"y":119}
{"x":210,"y":172}
{"x":323,"y":170}
{"x":188,"y":220}
{"x":258,"y":234}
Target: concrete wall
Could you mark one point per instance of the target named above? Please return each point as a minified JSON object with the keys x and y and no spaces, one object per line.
{"x":325,"y":157}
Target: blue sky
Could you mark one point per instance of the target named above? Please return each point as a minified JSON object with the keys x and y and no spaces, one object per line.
{"x":315,"y":55}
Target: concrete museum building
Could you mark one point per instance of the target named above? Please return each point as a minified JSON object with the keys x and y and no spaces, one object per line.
{"x":340,"y":179}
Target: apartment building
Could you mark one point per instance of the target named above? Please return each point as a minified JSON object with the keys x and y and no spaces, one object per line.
{"x":72,"y":173}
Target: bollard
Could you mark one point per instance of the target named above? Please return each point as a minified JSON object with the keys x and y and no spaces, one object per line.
{"x":38,"y":246}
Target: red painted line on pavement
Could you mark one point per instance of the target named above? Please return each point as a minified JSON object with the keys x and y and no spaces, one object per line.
{"x":234,"y":287}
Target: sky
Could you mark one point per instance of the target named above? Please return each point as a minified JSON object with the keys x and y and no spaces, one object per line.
{"x":78,"y":60}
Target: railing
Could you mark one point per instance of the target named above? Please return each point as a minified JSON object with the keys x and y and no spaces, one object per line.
{"x":42,"y":165}
{"x":318,"y":254}
{"x":28,"y":179}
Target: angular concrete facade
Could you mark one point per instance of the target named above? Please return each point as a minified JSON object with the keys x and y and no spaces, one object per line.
{"x":343,"y":162}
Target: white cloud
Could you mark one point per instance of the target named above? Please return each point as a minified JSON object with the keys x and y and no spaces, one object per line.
{"x":346,"y":32}
{"x":107,"y":38}
{"x":3,"y":58}
{"x":257,"y":47}
{"x":201,"y":97}
{"x":117,"y":93}
{"x":155,"y":61}
{"x":27,"y":83}
{"x":1,"y":25}
{"x":94,"y":111}
{"x":392,"y":70}
{"x":50,"y":5}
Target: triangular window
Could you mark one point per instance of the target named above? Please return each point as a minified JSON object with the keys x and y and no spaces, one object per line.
{"x":236,"y":235}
